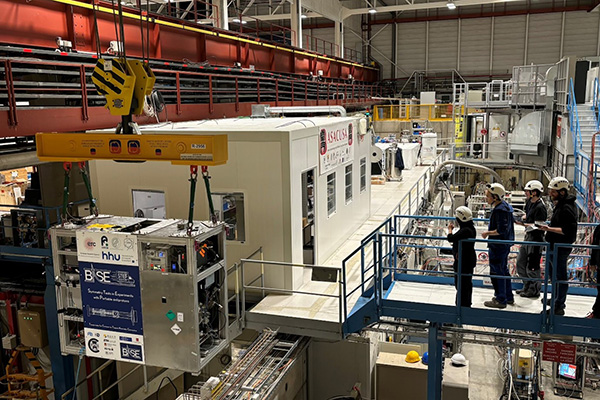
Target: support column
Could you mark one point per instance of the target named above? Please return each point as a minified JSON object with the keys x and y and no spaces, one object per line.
{"x":62,"y":367}
{"x":434,"y":367}
{"x":223,"y":20}
{"x":296,"y":22}
{"x":339,"y":38}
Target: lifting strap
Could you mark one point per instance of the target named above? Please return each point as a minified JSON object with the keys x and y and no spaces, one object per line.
{"x":213,"y":216}
{"x":88,"y":186}
{"x":193,"y":180}
{"x":67,"y":166}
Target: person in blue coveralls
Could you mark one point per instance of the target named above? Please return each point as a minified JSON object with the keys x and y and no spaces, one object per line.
{"x":501,"y":227}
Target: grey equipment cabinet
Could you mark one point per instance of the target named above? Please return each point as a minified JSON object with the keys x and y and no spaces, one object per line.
{"x":182,"y":289}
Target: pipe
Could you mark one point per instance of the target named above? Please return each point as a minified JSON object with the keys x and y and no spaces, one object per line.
{"x":308,"y":109}
{"x":439,"y":168}
{"x":19,"y":160}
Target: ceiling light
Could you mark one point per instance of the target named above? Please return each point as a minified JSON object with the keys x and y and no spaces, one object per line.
{"x":451,"y":5}
{"x":244,"y":22}
{"x":303,"y":16}
{"x":372,"y":11}
{"x":236,"y":20}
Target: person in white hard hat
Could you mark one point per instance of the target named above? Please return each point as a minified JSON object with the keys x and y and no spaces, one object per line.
{"x":528,"y":260}
{"x":501,"y":227}
{"x":467,"y":257}
{"x":562,"y":229}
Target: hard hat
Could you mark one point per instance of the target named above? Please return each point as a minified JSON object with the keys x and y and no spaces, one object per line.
{"x":458,"y":360}
{"x":497,"y":189}
{"x":534,"y":185}
{"x":412,"y":357}
{"x":463,"y":214}
{"x":558,"y":183}
{"x":425,"y":358}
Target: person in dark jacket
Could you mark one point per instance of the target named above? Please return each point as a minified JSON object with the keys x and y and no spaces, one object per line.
{"x":594,"y":263}
{"x":501,"y":227}
{"x":468,"y":260}
{"x":528,"y":260}
{"x":562,"y":229}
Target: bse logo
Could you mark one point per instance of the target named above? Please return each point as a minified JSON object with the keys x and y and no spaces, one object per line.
{"x":131,"y":352}
{"x":94,"y":346}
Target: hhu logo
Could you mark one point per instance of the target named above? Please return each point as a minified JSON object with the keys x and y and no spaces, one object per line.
{"x":107,"y":255}
{"x":131,"y":352}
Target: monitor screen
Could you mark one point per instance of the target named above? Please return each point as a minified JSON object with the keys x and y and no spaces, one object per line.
{"x":567,"y":371}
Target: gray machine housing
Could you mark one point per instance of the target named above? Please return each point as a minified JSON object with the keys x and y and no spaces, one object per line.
{"x":182,"y":273}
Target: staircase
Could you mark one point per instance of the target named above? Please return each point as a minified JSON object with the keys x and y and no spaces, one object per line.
{"x":587,"y":126}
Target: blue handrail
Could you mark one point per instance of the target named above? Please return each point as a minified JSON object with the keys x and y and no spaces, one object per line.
{"x":574,"y":116}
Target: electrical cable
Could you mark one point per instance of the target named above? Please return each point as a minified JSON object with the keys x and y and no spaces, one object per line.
{"x":78,"y":370}
{"x":160,"y":385}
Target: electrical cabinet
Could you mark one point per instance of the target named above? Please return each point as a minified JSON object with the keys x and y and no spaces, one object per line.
{"x":142,"y":290}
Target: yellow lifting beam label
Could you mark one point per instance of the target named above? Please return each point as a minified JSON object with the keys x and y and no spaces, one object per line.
{"x":179,"y":149}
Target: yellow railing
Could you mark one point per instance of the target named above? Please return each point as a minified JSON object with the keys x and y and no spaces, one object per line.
{"x":412,"y":112}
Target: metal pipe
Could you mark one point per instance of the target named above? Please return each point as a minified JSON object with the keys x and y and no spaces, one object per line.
{"x":307,"y":109}
{"x":439,"y":168}
{"x":96,"y":371}
{"x":19,"y":160}
{"x":116,"y":382}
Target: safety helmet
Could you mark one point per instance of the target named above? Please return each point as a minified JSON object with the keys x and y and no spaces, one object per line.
{"x":534,"y":185}
{"x":497,"y":189}
{"x":558,"y":183}
{"x":463,"y":214}
{"x":412,"y":357}
{"x":458,"y":360}
{"x":425,"y":358}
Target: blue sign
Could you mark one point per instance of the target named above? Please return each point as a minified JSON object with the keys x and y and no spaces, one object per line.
{"x":131,"y":352}
{"x":111,"y":297}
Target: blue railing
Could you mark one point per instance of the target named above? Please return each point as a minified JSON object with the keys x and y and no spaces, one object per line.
{"x":378,"y":278}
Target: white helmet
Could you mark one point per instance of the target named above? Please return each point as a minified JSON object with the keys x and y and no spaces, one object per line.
{"x":534,"y":185}
{"x":497,"y":189}
{"x":463,"y":214}
{"x":458,"y":360}
{"x":559,"y":183}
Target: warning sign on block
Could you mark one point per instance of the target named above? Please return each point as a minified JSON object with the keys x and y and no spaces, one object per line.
{"x":559,"y":352}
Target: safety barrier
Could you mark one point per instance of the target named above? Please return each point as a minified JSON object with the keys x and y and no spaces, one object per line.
{"x":410,"y":112}
{"x":377,"y":280}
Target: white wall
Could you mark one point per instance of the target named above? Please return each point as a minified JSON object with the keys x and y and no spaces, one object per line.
{"x":260,"y":178}
{"x":333,"y":230}
{"x":488,"y":45}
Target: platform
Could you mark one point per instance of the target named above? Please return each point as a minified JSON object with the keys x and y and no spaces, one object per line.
{"x":319,"y":316}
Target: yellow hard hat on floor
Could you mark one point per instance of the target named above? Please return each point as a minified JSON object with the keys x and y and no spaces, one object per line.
{"x":413,"y":357}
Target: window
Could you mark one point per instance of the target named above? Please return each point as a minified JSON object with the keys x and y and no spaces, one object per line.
{"x":229,"y":208}
{"x":348,"y":185}
{"x":363,"y":174}
{"x":331,"y":194}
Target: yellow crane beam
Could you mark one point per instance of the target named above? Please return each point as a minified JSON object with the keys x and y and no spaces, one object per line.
{"x":180,"y":149}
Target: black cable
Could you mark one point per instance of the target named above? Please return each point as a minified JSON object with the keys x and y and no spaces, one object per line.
{"x":122,"y":28}
{"x":172,"y":384}
{"x":142,"y":33}
{"x":96,"y":32}
{"x":115,"y":23}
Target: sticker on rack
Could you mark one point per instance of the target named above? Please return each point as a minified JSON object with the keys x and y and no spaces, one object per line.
{"x":179,"y":317}
{"x":176,"y":329}
{"x":171,"y":315}
{"x":502,"y":133}
{"x":484,"y":131}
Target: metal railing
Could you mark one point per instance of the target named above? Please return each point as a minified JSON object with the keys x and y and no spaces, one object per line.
{"x":286,"y":265}
{"x":264,"y":30}
{"x":410,"y":112}
{"x":387,"y":246}
{"x":319,"y":45}
{"x":483,"y":94}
